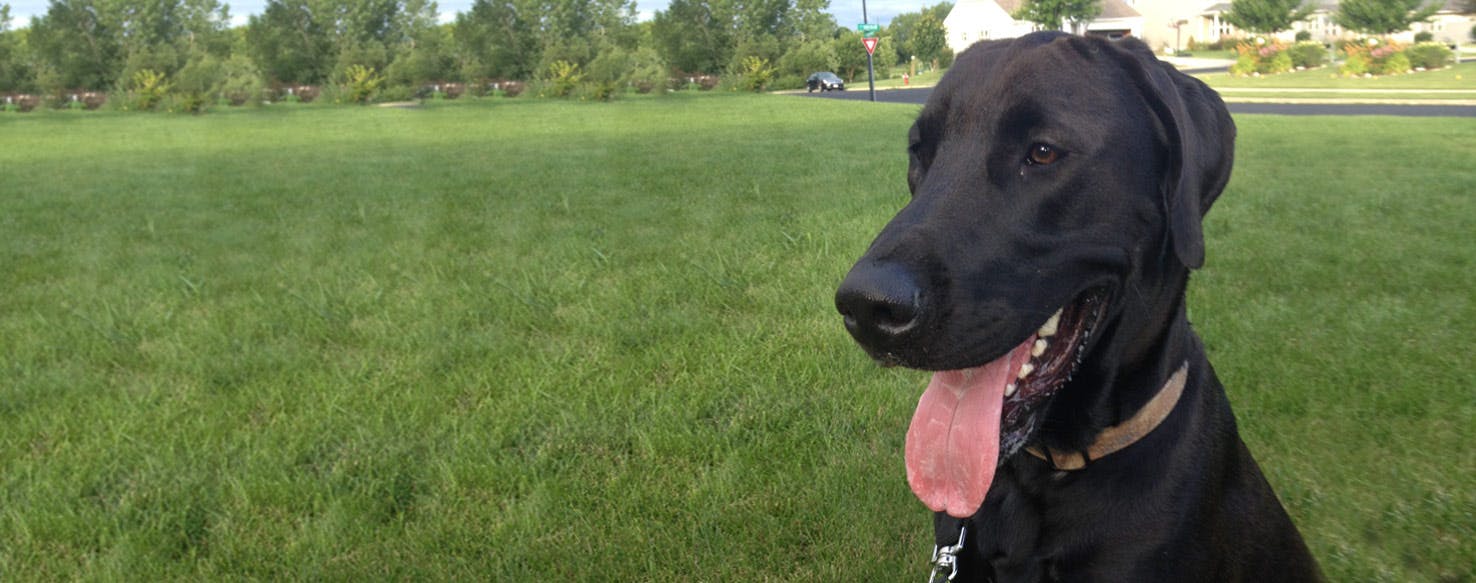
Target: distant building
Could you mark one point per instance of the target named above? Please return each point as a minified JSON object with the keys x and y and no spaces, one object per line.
{"x":971,"y":21}
{"x":1170,"y":25}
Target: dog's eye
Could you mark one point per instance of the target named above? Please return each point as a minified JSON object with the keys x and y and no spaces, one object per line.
{"x":1042,"y":154}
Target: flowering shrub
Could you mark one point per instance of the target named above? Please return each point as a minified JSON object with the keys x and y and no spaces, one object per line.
{"x":1374,"y":57}
{"x":1261,"y":57}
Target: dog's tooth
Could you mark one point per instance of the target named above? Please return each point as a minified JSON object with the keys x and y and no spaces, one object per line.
{"x":1025,"y":370}
{"x":1010,"y":390}
{"x":1039,"y":348}
{"x":1049,"y":328}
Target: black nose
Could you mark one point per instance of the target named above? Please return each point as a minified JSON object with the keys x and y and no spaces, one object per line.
{"x":882,"y":304}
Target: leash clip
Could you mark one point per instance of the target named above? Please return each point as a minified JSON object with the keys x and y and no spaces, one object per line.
{"x":945,"y":559}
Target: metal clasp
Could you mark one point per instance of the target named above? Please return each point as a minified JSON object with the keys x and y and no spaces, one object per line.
{"x":945,"y":559}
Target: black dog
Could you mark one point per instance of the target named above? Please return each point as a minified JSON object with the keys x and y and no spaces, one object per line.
{"x":1058,"y":184}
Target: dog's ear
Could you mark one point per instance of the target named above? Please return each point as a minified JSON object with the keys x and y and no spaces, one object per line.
{"x":1201,"y":139}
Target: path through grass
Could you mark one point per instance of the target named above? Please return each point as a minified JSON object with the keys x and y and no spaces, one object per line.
{"x":529,"y":340}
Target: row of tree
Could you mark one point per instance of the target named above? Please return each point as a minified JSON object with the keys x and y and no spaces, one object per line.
{"x":101,"y":45}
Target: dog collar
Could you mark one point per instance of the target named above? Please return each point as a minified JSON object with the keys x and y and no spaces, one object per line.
{"x":1117,"y":437}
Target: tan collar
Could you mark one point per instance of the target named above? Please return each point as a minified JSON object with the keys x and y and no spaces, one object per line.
{"x":1117,"y":437}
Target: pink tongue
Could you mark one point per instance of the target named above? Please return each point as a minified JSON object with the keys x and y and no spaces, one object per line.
{"x":953,"y":443}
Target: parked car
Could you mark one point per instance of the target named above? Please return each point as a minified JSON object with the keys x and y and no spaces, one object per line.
{"x":825,"y":81}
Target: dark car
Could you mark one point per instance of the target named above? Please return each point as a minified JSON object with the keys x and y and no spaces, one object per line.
{"x":825,"y":81}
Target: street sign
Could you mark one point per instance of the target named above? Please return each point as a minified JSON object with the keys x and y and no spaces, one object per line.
{"x":870,"y":44}
{"x":868,"y":30}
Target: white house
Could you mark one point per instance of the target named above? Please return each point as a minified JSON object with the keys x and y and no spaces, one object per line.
{"x":1207,"y":24}
{"x":1168,"y":25}
{"x":971,"y":21}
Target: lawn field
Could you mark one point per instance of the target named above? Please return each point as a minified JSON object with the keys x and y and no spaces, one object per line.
{"x":522,"y":340}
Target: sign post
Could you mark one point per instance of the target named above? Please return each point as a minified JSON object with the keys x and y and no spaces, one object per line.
{"x":868,"y":39}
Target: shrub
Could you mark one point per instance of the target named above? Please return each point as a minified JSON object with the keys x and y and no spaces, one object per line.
{"x":1245,"y":64}
{"x":1308,"y":54}
{"x":754,"y":74}
{"x":1424,"y":36}
{"x":1376,"y":58}
{"x":1393,"y":64}
{"x":1429,"y":55}
{"x":1356,"y":65}
{"x":788,"y":82}
{"x":597,"y":91}
{"x":148,"y":89}
{"x":1303,"y":36}
{"x":397,"y":93}
{"x":1261,"y":57}
{"x":562,"y":77}
{"x":240,"y":82}
{"x":361,"y":83}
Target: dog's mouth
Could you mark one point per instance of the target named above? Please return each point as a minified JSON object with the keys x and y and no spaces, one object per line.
{"x":971,"y":419}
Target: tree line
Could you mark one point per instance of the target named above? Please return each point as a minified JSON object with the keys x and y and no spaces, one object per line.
{"x":190,"y":46}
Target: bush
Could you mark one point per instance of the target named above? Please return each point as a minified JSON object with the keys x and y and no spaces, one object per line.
{"x":1394,"y":64}
{"x":597,"y":91}
{"x":1266,"y":58}
{"x":1429,"y":56}
{"x":148,"y":89}
{"x":1424,"y":36}
{"x":1303,"y":36}
{"x":361,"y":83}
{"x":240,"y":82}
{"x":561,"y":79}
{"x":754,"y":74}
{"x":1308,"y":54}
{"x":397,"y":93}
{"x":512,"y":88}
{"x":788,"y":82}
{"x":1356,"y":65}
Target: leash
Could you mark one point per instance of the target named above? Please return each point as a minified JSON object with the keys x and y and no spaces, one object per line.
{"x":945,"y":554}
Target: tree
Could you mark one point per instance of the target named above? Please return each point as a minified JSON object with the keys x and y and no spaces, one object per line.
{"x":928,"y":39}
{"x":1382,"y":17}
{"x":695,"y":36}
{"x":1267,"y":16}
{"x":289,"y":43}
{"x":902,"y":27}
{"x":497,"y":39}
{"x":76,"y":46}
{"x":1053,"y":14}
{"x":15,"y":72}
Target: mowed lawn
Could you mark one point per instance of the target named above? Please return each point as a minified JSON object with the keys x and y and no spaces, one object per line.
{"x":522,"y":340}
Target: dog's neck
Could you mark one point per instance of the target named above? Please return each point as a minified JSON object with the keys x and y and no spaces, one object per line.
{"x":1149,"y":341}
{"x":1117,"y":437}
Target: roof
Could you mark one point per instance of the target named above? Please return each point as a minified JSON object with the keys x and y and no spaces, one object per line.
{"x":1117,"y":9}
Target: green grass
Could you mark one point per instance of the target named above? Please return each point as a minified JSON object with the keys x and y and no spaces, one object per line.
{"x":1459,"y":77}
{"x":526,"y":340}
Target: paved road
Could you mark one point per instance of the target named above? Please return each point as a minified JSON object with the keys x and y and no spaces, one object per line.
{"x":920,"y":96}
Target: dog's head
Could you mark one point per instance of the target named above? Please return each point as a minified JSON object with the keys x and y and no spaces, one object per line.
{"x":1058,"y":184}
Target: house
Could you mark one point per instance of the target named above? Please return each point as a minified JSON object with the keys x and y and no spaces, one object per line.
{"x":1207,"y":24}
{"x":1169,"y":25}
{"x":971,"y":21}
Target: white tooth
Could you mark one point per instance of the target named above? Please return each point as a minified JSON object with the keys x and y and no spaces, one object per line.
{"x":1049,"y":328}
{"x":1039,"y":347}
{"x":1010,"y":390}
{"x":1025,"y":370}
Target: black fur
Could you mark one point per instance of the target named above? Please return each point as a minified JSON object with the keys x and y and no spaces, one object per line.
{"x":991,"y":245}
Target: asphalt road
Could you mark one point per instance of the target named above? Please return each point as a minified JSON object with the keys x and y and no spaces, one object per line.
{"x":920,"y":96}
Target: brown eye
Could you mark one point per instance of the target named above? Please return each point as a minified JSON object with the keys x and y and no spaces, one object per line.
{"x":1042,"y":154}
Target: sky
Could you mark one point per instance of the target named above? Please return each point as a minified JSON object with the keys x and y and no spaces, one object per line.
{"x":847,"y":12}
